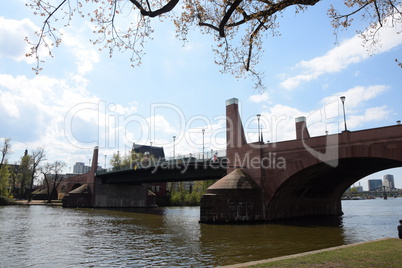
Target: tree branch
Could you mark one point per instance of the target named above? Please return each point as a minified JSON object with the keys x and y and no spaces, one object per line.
{"x":250,"y":48}
{"x":165,"y":9}
{"x":209,"y":25}
{"x":227,"y":16}
{"x":352,"y":13}
{"x":261,"y":14}
{"x":46,"y":22}
{"x":378,"y":13}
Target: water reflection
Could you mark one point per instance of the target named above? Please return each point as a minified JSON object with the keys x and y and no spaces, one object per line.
{"x":232,"y":243}
{"x":40,"y":236}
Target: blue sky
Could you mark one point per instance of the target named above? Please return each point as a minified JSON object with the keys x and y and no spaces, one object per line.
{"x":83,"y":98}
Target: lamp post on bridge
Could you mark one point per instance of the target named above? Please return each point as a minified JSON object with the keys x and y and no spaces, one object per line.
{"x":344,"y":114}
{"x":203,"y":131}
{"x":259,"y":136}
{"x":174,"y":139}
{"x":105,"y":161}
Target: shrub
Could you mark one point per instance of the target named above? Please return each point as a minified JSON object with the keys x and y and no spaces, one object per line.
{"x":5,"y":201}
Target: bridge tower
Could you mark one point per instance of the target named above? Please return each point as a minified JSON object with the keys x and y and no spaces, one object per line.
{"x":237,"y":196}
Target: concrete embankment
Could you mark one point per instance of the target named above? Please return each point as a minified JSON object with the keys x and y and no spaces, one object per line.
{"x":38,"y":202}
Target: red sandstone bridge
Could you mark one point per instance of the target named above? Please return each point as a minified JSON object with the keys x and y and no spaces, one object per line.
{"x":265,"y":181}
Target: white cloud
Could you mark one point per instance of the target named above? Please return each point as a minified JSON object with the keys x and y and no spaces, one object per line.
{"x":263,"y":97}
{"x":32,"y":113}
{"x":12,"y":43}
{"x":356,"y":95}
{"x":8,"y":103}
{"x":348,"y":52}
{"x":85,"y":53}
{"x":279,"y":121}
{"x":161,"y":124}
{"x":369,"y":115}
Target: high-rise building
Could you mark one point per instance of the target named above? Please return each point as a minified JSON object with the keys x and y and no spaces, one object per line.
{"x":388,"y":182}
{"x":79,"y":168}
{"x":375,"y":185}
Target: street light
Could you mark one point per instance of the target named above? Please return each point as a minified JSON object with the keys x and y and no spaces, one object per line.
{"x":344,"y":115}
{"x":174,"y":139}
{"x":105,"y":161}
{"x":150,"y":154}
{"x":259,"y":136}
{"x":203,"y":131}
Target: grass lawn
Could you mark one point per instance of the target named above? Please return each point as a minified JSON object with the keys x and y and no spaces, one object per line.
{"x":378,"y":253}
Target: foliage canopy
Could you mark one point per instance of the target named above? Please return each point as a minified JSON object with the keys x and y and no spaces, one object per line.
{"x":238,"y":26}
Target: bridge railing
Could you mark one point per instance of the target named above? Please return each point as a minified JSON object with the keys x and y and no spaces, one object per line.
{"x":198,"y":156}
{"x":210,"y":154}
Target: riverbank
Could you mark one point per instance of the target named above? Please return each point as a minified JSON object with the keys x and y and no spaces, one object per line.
{"x":38,"y":202}
{"x":385,"y":252}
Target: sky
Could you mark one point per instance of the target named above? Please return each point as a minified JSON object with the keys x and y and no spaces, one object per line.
{"x":83,"y":98}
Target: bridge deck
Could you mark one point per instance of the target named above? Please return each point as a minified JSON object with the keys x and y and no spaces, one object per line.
{"x":167,"y":171}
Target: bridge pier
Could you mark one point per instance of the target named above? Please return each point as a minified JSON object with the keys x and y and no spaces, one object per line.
{"x":234,"y":198}
{"x":90,"y":191}
{"x":122,"y":196}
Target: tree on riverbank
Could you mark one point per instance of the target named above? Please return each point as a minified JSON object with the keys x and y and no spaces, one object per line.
{"x":51,"y":174}
{"x":37,"y":156}
{"x":24,"y":172}
{"x":129,"y":160}
{"x":4,"y":168}
{"x":5,"y":151}
{"x":238,"y":27}
{"x":5,"y":189}
{"x":190,"y":196}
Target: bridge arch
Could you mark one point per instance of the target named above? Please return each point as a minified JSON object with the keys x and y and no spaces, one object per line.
{"x":63,"y":189}
{"x":317,"y":189}
{"x":75,"y":186}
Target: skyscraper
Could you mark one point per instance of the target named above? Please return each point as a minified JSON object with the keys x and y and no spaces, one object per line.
{"x":78,"y":168}
{"x":375,"y":185}
{"x":388,"y":182}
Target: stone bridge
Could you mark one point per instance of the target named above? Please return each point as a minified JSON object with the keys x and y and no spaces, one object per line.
{"x":128,"y":188}
{"x":302,"y":177}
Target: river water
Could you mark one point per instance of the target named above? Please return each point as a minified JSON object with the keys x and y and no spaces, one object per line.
{"x":44,"y":236}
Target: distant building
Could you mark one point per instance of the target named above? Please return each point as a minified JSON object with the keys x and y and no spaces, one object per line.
{"x":375,"y":185}
{"x":388,"y":182}
{"x":157,"y":152}
{"x":87,"y":169}
{"x":359,"y":189}
{"x":159,"y":189}
{"x":78,"y":168}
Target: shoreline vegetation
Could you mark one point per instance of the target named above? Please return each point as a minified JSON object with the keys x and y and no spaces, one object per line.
{"x":4,"y":201}
{"x":384,"y":252}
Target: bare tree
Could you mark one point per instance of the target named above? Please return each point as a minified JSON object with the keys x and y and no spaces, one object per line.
{"x":5,"y":151}
{"x":4,"y":168}
{"x":58,"y":167}
{"x":46,"y":171}
{"x":238,"y":26}
{"x":37,"y":156}
{"x":51,"y":173}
